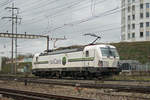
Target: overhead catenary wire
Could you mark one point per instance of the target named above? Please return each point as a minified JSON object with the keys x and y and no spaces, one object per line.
{"x":35,"y":21}
{"x":55,"y":14}
{"x":2,"y":4}
{"x":66,"y":24}
{"x":36,"y":7}
{"x":116,"y":10}
{"x":43,"y":14}
{"x":32,"y":19}
{"x":87,"y":19}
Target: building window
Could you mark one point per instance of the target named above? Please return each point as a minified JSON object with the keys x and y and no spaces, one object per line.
{"x":141,"y":6}
{"x":128,"y":8}
{"x":133,"y":8}
{"x":141,"y":34}
{"x":129,"y":17}
{"x":133,"y":26}
{"x":133,"y":0}
{"x":147,"y":5}
{"x":147,"y":14}
{"x":147,"y":33}
{"x":133,"y":17}
{"x":133,"y":35}
{"x":128,"y":26}
{"x":128,"y":35}
{"x":147,"y":24}
{"x":141,"y":25}
{"x":141,"y":15}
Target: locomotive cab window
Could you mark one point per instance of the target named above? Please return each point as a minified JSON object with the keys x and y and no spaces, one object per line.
{"x":109,"y":52}
{"x":87,"y":54}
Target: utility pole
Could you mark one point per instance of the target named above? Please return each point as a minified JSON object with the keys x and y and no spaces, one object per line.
{"x":47,"y":43}
{"x":57,"y":39}
{"x":13,"y":70}
{"x":16,"y":46}
{"x":30,"y":36}
{"x":16,"y":43}
{"x":53,"y":39}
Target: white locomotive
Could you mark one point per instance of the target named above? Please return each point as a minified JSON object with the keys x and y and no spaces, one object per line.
{"x":87,"y":62}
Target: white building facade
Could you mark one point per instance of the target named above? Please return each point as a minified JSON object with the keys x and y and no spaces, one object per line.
{"x":135,"y":20}
{"x":0,"y":63}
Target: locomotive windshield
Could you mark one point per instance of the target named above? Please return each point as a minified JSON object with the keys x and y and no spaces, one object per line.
{"x":107,"y":51}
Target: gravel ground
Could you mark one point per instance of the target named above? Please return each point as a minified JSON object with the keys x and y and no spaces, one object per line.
{"x":2,"y":98}
{"x":96,"y":94}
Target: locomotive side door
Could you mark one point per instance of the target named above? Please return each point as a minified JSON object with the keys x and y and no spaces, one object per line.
{"x":89,"y":58}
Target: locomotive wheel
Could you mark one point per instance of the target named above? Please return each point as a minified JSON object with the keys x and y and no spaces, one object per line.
{"x":58,"y":75}
{"x":75,"y":76}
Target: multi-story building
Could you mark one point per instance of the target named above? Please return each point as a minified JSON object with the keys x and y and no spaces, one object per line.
{"x":135,"y":20}
{"x":0,"y":63}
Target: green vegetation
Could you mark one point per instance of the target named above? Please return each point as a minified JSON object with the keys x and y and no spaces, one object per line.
{"x":134,"y":51}
{"x":23,"y":64}
{"x":6,"y":68}
{"x":6,"y":64}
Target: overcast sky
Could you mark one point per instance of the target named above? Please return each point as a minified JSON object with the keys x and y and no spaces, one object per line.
{"x":59,"y":18}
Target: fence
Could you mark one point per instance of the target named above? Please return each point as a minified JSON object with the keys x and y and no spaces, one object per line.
{"x":133,"y":65}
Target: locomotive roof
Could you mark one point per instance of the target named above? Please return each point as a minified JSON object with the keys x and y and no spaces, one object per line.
{"x":67,"y":49}
{"x":60,"y":51}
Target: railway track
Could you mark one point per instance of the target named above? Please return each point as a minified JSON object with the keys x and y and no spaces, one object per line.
{"x":12,"y":77}
{"x":116,"y":87}
{"x":27,"y":95}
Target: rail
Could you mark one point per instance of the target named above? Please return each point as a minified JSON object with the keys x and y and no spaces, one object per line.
{"x":117,"y":87}
{"x":19,"y":94}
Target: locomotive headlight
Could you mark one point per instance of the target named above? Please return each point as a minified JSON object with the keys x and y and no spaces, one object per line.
{"x":100,"y":63}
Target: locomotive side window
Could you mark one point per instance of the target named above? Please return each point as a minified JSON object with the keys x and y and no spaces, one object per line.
{"x":87,"y":54}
